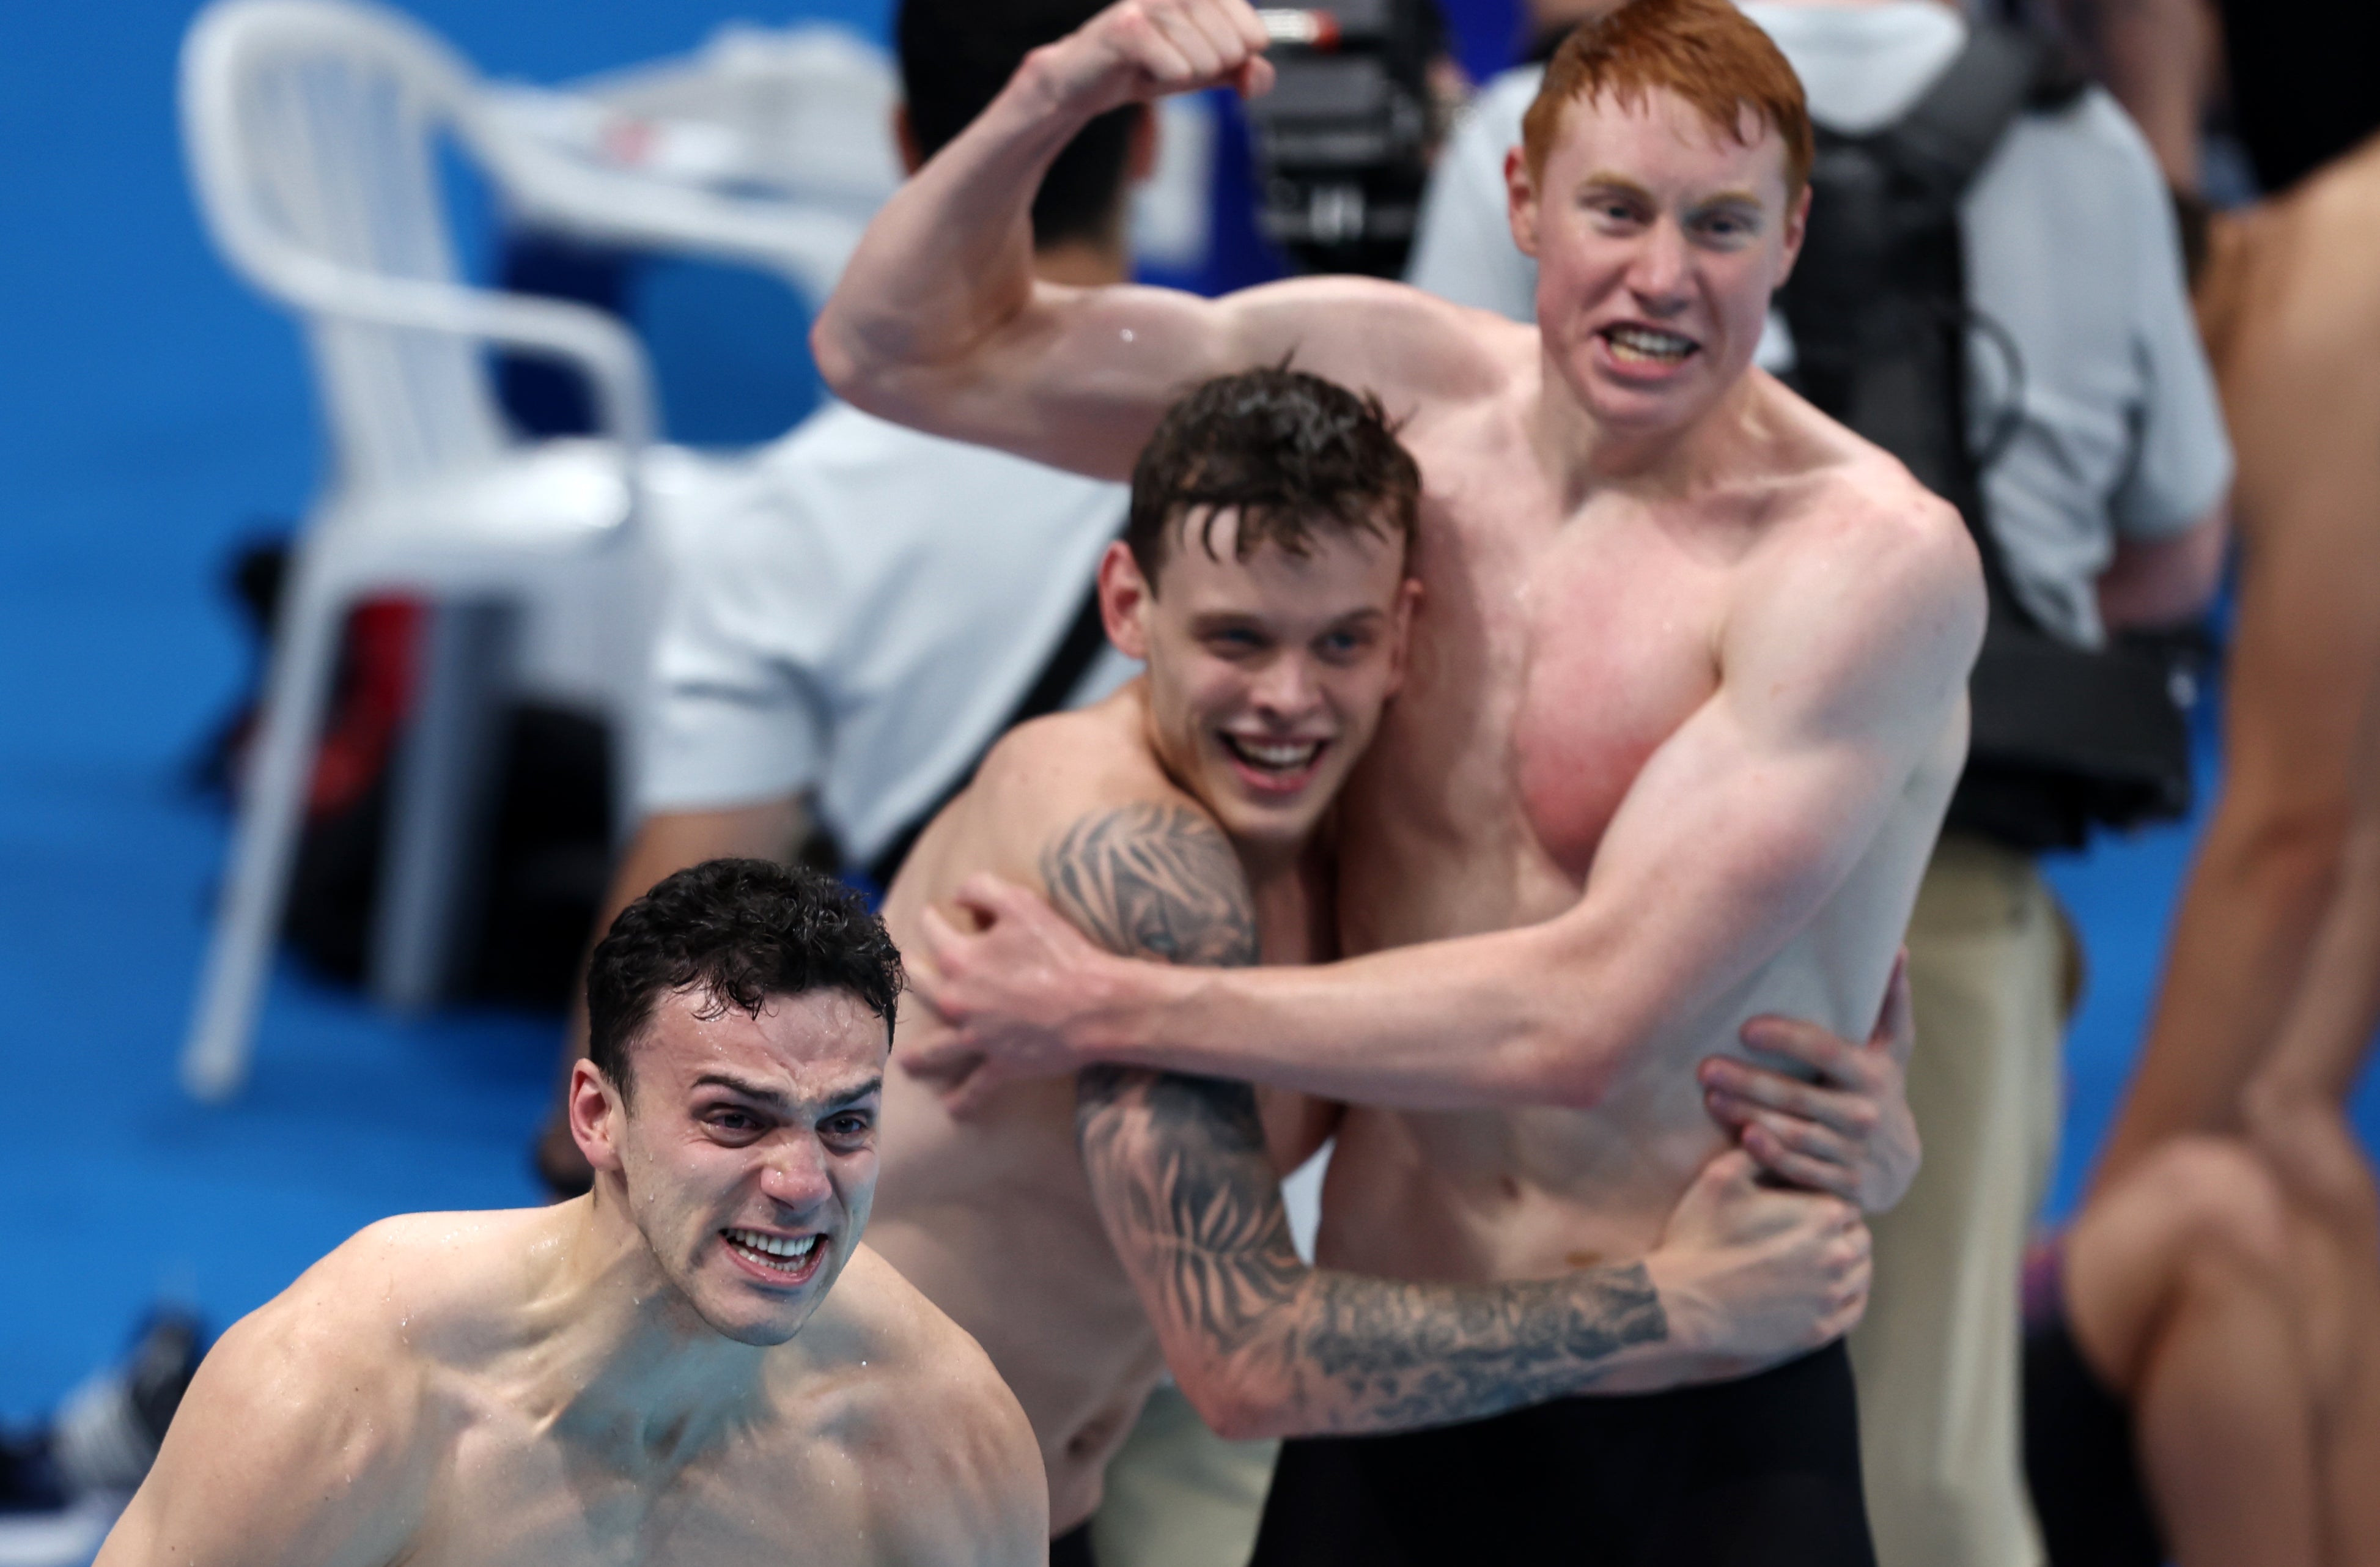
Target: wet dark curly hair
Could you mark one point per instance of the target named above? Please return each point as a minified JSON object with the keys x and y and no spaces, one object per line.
{"x":1295,"y":454}
{"x":742,"y":930}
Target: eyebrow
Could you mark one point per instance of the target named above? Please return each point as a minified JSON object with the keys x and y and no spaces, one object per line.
{"x":771,"y":1096}
{"x":1607,"y":179}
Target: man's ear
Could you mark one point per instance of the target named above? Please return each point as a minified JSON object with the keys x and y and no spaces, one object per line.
{"x":1142,"y":144}
{"x":904,"y":138}
{"x":1409,"y":596}
{"x":1124,"y":597}
{"x":596,"y":1115}
{"x":1520,"y":201}
{"x":1797,"y":228}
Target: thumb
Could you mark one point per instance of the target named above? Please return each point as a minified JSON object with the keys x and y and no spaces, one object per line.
{"x":1730,"y":1169}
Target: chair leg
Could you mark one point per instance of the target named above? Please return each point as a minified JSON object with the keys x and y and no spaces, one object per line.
{"x":248,"y":920}
{"x":430,"y":865}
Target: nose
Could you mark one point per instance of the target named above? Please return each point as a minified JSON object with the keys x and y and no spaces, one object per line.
{"x":794,"y":1175}
{"x":1657,"y":274}
{"x":1287,"y":687}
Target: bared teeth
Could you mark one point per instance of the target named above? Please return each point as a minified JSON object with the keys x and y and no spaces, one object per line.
{"x":1644,"y":343}
{"x":1276,"y":756}
{"x":773,"y":1245}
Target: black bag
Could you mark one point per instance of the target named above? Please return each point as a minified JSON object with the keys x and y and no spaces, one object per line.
{"x":2063,"y":737}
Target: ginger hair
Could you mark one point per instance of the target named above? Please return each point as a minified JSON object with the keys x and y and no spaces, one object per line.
{"x":1705,"y":51}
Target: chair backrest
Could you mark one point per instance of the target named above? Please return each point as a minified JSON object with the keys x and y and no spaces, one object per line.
{"x":314,"y":129}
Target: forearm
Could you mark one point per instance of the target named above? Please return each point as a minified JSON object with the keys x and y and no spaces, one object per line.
{"x":1264,"y":1345}
{"x":948,"y":261}
{"x":1478,"y":1022}
{"x":1348,"y":1354}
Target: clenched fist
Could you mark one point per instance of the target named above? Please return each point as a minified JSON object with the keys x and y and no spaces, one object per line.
{"x":1138,"y":50}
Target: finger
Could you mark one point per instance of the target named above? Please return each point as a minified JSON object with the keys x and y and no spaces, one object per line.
{"x":1896,"y":1026}
{"x":1153,"y":50}
{"x":1206,"y":62}
{"x":1831,"y":1055}
{"x":1728,"y":1167}
{"x":1801,"y":1169}
{"x":1222,"y":30}
{"x":1851,"y":1114}
{"x":992,"y":896}
{"x":941,"y":1064}
{"x":970,"y":1096}
{"x":1805,"y":1137}
{"x":1244,"y":21}
{"x":1255,"y":79}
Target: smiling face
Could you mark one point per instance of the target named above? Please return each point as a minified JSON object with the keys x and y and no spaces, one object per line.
{"x":746,"y":1153}
{"x":1266,"y":675}
{"x":1658,"y":240}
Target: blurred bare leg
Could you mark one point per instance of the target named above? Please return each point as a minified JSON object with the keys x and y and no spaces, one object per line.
{"x":2292,"y":317}
{"x":2178,"y":1288}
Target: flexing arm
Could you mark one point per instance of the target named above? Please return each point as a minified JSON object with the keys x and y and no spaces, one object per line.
{"x":1835,"y":687}
{"x":939,"y":323}
{"x":1264,"y":1344}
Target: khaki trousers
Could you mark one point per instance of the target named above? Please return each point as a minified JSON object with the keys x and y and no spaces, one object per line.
{"x":1993,"y":969}
{"x":1180,"y":1496}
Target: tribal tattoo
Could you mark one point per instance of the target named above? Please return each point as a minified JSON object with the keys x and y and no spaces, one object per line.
{"x":1178,"y":1166}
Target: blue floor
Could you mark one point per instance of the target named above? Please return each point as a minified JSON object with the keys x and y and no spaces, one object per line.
{"x":150,"y":410}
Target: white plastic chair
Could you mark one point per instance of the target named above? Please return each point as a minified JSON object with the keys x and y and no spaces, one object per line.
{"x":313,"y":130}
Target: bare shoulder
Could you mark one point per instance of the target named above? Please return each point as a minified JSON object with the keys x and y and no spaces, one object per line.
{"x":1861,"y":607}
{"x":305,"y":1436}
{"x":1050,"y":770}
{"x":1413,"y":348}
{"x":952,"y":1468}
{"x":1846,"y":503}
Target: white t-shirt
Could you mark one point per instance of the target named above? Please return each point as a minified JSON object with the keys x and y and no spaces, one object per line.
{"x":2070,"y":247}
{"x":854,"y":616}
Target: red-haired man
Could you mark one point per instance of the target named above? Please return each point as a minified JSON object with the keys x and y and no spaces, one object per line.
{"x":1685,"y":706}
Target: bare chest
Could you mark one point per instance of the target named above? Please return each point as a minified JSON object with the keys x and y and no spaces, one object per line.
{"x":1553,"y":655}
{"x":514,"y":1495}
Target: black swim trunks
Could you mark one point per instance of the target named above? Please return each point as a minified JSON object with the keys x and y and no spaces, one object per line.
{"x":2079,"y":1460}
{"x":1764,"y":1472}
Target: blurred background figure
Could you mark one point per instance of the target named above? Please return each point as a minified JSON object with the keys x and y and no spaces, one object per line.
{"x":855,"y":621}
{"x":63,"y":1481}
{"x":2083,"y":442}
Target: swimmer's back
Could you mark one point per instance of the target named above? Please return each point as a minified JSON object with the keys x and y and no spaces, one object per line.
{"x":419,"y":1395}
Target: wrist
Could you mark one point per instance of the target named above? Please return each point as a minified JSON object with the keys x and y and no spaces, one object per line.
{"x":1127,"y":996}
{"x":1051,"y":88}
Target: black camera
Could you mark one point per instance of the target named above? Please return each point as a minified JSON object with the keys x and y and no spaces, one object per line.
{"x":1342,"y":141}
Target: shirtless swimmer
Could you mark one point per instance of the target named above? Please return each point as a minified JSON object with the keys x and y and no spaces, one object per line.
{"x":695,"y":1363}
{"x":1262,"y":578}
{"x":1681,"y":723}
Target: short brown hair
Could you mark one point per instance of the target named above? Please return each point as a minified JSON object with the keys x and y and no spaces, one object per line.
{"x":1705,"y":51}
{"x":740,"y":931}
{"x":1294,"y":454}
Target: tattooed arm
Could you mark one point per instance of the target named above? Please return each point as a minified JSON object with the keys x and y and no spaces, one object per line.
{"x":1264,"y":1344}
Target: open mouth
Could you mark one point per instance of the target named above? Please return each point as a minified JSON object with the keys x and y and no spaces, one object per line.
{"x":1648,"y":345}
{"x":1282,"y":766}
{"x":783,"y":1259}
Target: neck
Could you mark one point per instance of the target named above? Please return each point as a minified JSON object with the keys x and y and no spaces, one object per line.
{"x":1586,"y":454}
{"x":1085,"y":263}
{"x":623,"y":1355}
